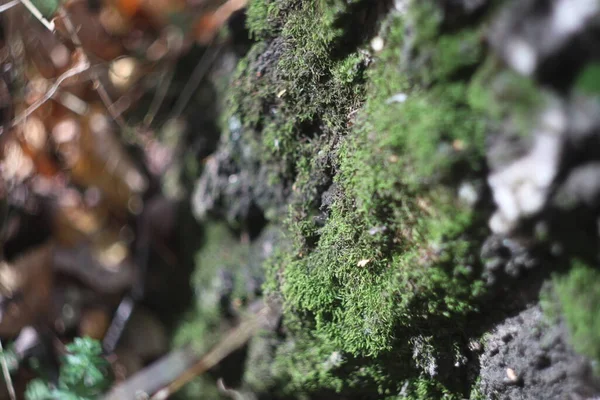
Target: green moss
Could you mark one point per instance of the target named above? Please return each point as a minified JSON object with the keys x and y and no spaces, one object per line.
{"x":379,"y":252}
{"x":549,"y":303}
{"x":504,"y":96}
{"x":84,"y":374}
{"x":348,"y":70}
{"x":397,"y":252}
{"x":424,"y":388}
{"x":579,"y":295}
{"x":588,"y":80}
{"x":290,"y":89}
{"x":476,"y":393}
{"x":262,"y":17}
{"x":219,"y":263}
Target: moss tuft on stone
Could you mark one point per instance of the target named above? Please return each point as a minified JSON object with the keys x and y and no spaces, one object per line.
{"x":380,"y":267}
{"x":386,"y":252}
{"x":578,"y":292}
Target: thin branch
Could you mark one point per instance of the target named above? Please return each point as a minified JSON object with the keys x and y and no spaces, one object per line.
{"x":72,"y":102}
{"x":117,"y":326}
{"x":76,"y":70}
{"x":6,"y":373}
{"x":167,"y":375}
{"x":9,"y":5}
{"x":38,"y":15}
{"x":233,"y":341}
{"x":166,"y":78}
{"x":98,"y":86}
{"x":232,"y":394}
{"x":201,"y":69}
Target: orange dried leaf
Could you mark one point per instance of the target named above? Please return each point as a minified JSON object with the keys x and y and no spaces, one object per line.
{"x":128,"y":7}
{"x":208,"y":25}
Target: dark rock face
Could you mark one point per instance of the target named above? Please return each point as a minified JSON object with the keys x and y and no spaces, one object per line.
{"x":506,"y":259}
{"x":524,"y":357}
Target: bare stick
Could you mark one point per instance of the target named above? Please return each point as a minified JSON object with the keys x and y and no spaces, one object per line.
{"x":203,"y":66}
{"x":170,"y":373}
{"x":72,"y":102}
{"x":233,"y":341}
{"x":233,"y":394}
{"x":161,"y":92}
{"x":9,"y":5}
{"x":94,"y":74}
{"x":6,"y":373}
{"x":78,"y":69}
{"x":38,"y":15}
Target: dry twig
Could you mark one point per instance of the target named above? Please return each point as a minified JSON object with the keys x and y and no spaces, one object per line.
{"x":82,"y":66}
{"x":172,"y":372}
{"x":98,"y":86}
{"x":6,"y":373}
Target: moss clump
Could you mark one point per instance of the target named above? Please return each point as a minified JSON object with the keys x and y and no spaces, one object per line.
{"x":588,"y":80}
{"x":508,"y":99}
{"x":578,"y":293}
{"x":290,"y":90}
{"x":84,"y":374}
{"x":388,"y":254}
{"x":476,"y":393}
{"x":380,"y":268}
{"x":263,"y":18}
{"x":218,"y":282}
{"x":226,"y":281}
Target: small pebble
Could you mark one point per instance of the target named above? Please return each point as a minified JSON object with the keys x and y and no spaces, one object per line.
{"x":397,"y":98}
{"x":512,"y":375}
{"x":363,"y":262}
{"x":377,"y":229}
{"x":377,"y":43}
{"x":468,"y":193}
{"x":122,"y":72}
{"x":475,"y":346}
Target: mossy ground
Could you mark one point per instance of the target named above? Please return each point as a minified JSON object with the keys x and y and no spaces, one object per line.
{"x":575,"y":297}
{"x":380,"y":266}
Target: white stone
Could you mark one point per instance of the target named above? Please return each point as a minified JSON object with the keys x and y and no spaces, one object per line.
{"x":521,"y":56}
{"x":377,"y":44}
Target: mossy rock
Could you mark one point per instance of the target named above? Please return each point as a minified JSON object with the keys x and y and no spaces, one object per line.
{"x":361,"y":155}
{"x":382,"y":250}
